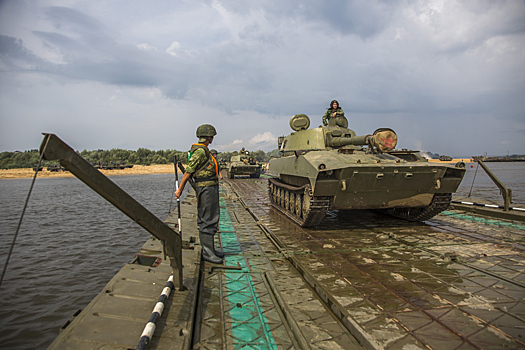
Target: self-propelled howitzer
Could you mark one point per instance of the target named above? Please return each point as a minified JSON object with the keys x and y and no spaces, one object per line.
{"x":330,"y":167}
{"x":243,"y":164}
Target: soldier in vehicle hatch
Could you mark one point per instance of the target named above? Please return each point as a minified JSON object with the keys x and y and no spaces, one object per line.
{"x":333,"y":112}
{"x":203,"y":167}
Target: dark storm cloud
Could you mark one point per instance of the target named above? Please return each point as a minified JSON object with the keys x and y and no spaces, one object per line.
{"x":359,"y":17}
{"x":255,"y":63}
{"x":12,"y":46}
{"x":86,"y":29}
{"x":14,"y":55}
{"x":89,"y":52}
{"x":131,"y":69}
{"x":362,"y":18}
{"x":76,"y":36}
{"x":239,"y":73}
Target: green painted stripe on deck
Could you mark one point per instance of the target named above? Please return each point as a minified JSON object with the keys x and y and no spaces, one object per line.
{"x":483,"y":220}
{"x":249,"y":324}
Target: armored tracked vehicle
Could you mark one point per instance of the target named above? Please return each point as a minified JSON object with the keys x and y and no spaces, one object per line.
{"x":330,"y":167}
{"x":243,"y":164}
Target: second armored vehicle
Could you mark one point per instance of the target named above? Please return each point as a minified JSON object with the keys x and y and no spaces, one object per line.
{"x":243,"y":164}
{"x":330,"y":167}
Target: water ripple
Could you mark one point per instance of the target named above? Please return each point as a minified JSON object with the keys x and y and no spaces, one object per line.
{"x":71,"y":243}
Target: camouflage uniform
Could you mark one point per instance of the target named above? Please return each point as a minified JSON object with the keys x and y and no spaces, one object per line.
{"x":328,"y":115}
{"x":204,"y":169}
{"x":203,"y":166}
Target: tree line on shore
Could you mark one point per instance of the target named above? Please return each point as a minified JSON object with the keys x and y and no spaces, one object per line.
{"x":142,"y":156}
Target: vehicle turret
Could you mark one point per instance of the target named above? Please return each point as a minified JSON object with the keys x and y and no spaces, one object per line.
{"x":243,"y":163}
{"x":334,"y":136}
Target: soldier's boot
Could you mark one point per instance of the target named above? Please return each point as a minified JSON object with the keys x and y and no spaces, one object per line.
{"x":207,"y":248}
{"x":218,"y":253}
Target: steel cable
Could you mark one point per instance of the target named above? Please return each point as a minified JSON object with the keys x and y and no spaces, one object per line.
{"x":22,"y":216}
{"x":473,"y":180}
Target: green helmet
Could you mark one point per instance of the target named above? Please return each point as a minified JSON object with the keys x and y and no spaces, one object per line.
{"x":213,"y":151}
{"x":206,"y":130}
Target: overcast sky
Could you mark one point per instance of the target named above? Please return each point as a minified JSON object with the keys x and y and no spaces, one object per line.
{"x":447,"y":75}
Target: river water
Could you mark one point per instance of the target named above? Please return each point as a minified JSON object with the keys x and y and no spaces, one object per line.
{"x":72,"y":242}
{"x":479,"y":185}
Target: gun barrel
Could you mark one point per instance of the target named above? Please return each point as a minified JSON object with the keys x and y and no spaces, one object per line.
{"x":345,"y":141}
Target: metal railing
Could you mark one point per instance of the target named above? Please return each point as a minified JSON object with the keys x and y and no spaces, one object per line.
{"x":505,"y":192}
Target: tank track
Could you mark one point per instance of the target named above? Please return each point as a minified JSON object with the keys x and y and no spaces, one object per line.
{"x":298,"y":203}
{"x":440,"y":202}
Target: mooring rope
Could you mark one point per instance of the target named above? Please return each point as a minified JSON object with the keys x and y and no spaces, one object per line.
{"x":23,"y":213}
{"x":150,"y":327}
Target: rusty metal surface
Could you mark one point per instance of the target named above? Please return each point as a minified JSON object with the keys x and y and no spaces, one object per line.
{"x":450,"y":282}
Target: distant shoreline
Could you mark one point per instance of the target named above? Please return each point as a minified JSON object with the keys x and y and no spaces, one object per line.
{"x":136,"y":170}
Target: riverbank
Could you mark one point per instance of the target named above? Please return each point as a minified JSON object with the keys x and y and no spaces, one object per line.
{"x":136,"y":170}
